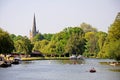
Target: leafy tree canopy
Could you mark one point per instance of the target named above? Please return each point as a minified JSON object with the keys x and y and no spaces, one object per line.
{"x":6,"y":43}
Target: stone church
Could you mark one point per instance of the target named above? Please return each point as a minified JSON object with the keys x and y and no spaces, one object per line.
{"x":33,"y":32}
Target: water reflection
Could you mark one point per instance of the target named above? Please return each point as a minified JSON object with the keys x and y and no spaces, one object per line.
{"x":71,"y":62}
{"x":27,"y":62}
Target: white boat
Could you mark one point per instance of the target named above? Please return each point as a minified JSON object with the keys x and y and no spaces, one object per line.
{"x":80,"y":57}
{"x":73,"y":57}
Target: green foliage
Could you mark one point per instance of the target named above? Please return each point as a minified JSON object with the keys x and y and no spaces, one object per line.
{"x":47,"y":36}
{"x":75,"y":45}
{"x":38,"y":37}
{"x":6,"y":44}
{"x":111,"y":48}
{"x":87,"y":28}
{"x":101,"y":39}
{"x":91,"y":44}
{"x":114,"y":30}
{"x":56,"y":43}
{"x":41,"y":46}
{"x":114,"y":40}
{"x":59,"y":40}
{"x":102,"y":36}
{"x":22,"y":45}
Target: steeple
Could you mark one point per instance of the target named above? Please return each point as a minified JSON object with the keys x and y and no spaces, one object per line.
{"x":33,"y":32}
{"x":34,"y":26}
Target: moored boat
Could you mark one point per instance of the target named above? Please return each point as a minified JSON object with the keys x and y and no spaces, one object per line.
{"x":73,"y":57}
{"x":80,"y":57}
{"x":16,"y":60}
{"x":4,"y":63}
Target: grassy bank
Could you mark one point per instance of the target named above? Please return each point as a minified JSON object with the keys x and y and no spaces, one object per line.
{"x":44,"y":58}
{"x":115,"y":70}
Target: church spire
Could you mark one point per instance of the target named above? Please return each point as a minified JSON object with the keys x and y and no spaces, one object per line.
{"x":33,"y":32}
{"x":34,"y":26}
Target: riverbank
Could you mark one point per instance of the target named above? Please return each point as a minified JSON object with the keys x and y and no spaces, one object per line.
{"x":110,"y":63}
{"x":44,"y":58}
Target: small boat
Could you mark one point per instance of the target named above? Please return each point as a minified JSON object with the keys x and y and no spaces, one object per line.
{"x":16,"y":60}
{"x":73,"y":57}
{"x":4,"y":63}
{"x":113,"y":63}
{"x":80,"y":57}
{"x":92,"y":70}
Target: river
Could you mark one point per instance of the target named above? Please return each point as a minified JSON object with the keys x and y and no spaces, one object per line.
{"x":60,"y":70}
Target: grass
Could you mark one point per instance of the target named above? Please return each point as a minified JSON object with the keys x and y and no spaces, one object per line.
{"x":44,"y":58}
{"x":31,"y":58}
{"x":115,"y":70}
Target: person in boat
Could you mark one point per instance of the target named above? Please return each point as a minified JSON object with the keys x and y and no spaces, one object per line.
{"x":92,"y":70}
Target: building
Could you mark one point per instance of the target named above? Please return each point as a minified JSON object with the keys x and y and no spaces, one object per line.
{"x":33,"y":32}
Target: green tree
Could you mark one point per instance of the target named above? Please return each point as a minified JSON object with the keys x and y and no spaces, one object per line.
{"x":13,"y":36}
{"x":114,"y":39}
{"x":87,"y":28}
{"x":111,"y":48}
{"x":38,"y":37}
{"x":91,"y":44}
{"x":6,"y":43}
{"x":23,"y":45}
{"x":102,"y":36}
{"x":41,"y":46}
{"x":48,"y":36}
{"x":75,"y":45}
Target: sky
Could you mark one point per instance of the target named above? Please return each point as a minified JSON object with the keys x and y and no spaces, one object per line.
{"x":52,"y":16}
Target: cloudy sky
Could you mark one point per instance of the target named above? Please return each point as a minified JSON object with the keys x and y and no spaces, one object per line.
{"x":52,"y":16}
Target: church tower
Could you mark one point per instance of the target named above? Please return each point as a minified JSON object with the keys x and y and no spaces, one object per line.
{"x":33,"y":32}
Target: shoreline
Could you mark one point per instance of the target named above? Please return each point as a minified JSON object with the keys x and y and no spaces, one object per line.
{"x":44,"y":58}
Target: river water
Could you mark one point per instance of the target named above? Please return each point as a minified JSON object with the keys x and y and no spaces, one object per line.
{"x":60,"y":70}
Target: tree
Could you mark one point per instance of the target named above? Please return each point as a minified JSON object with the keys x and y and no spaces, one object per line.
{"x":23,"y":45}
{"x":13,"y":36}
{"x":114,"y":38}
{"x":6,"y":43}
{"x":102,"y":36}
{"x":38,"y":37}
{"x":75,"y":45}
{"x":87,"y":28}
{"x":48,"y":36}
{"x":111,"y":48}
{"x":76,"y":42}
{"x":91,"y":44}
{"x":41,"y":46}
{"x":101,"y":39}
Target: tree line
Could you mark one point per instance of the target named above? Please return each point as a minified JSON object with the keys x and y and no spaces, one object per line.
{"x":84,"y":40}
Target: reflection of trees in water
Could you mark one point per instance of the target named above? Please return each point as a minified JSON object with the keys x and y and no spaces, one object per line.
{"x":27,"y":62}
{"x":71,"y":61}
